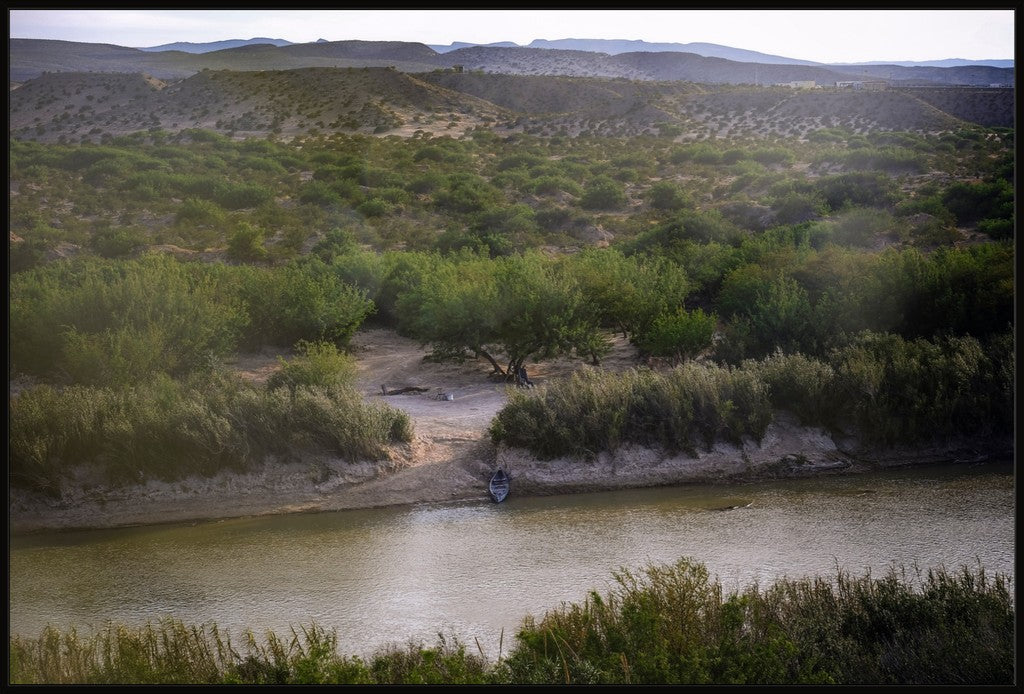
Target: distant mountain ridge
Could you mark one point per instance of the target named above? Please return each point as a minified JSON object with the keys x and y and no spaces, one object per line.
{"x":609,"y":46}
{"x":30,"y":58}
{"x":189,"y":47}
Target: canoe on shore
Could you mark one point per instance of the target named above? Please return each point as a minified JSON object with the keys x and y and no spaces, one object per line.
{"x":499,"y":485}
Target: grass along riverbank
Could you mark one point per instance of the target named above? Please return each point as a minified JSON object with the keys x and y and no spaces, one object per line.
{"x":667,"y":624}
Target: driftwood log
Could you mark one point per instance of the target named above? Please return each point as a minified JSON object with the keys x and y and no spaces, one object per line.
{"x":399,"y":391}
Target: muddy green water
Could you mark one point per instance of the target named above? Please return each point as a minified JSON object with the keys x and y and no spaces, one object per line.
{"x":475,"y":569}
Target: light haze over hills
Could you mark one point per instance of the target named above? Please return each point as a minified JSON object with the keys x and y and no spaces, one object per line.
{"x":607,"y":46}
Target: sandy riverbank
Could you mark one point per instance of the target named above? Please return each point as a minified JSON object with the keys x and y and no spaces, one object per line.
{"x":451,"y":457}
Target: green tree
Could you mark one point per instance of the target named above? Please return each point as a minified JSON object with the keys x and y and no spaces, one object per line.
{"x":681,"y":335}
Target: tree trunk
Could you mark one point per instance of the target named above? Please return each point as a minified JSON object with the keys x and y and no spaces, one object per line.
{"x":488,"y":357}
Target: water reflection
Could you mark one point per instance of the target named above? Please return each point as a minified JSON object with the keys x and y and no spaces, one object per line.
{"x":475,"y":569}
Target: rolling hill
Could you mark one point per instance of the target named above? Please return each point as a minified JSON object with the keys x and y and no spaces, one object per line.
{"x":29,"y":58}
{"x":80,"y":106}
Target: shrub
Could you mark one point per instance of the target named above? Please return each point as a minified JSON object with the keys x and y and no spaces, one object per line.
{"x":121,"y":319}
{"x":900,"y":390}
{"x":303,"y":300}
{"x":318,"y":364}
{"x":603,"y":193}
{"x":169,"y":430}
{"x":673,"y":624}
{"x":971,"y":202}
{"x":593,"y":412}
{"x":799,"y":384}
{"x":665,"y":195}
{"x":246,"y":243}
{"x":682,"y":335}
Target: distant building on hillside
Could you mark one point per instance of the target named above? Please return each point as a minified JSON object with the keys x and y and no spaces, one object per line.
{"x":799,"y":84}
{"x":870,"y":86}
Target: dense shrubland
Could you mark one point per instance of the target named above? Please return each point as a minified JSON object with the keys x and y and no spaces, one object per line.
{"x":830,"y":258}
{"x":663,"y":624}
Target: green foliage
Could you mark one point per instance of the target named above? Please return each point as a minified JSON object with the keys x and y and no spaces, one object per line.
{"x":677,"y":232}
{"x":666,"y":195}
{"x":198,"y":212}
{"x":972,"y":202}
{"x":889,"y":159}
{"x":302,"y":300}
{"x":317,"y":364}
{"x":169,"y":430}
{"x":681,"y":335}
{"x":523,"y":306}
{"x":553,"y":185}
{"x":466,"y":192}
{"x":796,"y":207}
{"x":862,"y":188}
{"x":117,"y":321}
{"x":603,"y":193}
{"x":119,"y":242}
{"x":910,"y":390}
{"x":673,"y":624}
{"x":593,"y":412}
{"x":861,"y":226}
{"x":319,"y":193}
{"x":628,"y":292}
{"x":800,"y":384}
{"x":246,"y":243}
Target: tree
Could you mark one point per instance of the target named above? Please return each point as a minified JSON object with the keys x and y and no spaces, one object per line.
{"x":520,"y":306}
{"x":681,"y":335}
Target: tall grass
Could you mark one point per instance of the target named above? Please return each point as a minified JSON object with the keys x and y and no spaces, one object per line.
{"x":675,"y":625}
{"x":888,"y":389}
{"x":168,"y":429}
{"x":694,"y":404}
{"x":663,"y":624}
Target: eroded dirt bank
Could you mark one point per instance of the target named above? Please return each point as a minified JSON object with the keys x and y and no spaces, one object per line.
{"x":452,"y":458}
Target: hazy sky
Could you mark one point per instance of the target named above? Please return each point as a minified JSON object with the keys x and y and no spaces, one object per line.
{"x":821,"y":35}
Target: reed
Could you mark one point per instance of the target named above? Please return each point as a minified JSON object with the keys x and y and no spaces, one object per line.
{"x":171,"y":429}
{"x":661,"y":624}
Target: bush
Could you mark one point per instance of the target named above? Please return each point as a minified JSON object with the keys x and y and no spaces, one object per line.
{"x":673,"y":624}
{"x":169,"y":430}
{"x":971,"y":202}
{"x":665,"y":195}
{"x":117,"y":321}
{"x":246,"y":243}
{"x":593,"y":412}
{"x":799,"y":384}
{"x":603,"y":193}
{"x":900,"y":390}
{"x":318,"y":364}
{"x":680,"y":335}
{"x":303,"y":300}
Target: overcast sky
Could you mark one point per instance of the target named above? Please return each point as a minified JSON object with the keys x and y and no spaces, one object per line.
{"x":826,"y":36}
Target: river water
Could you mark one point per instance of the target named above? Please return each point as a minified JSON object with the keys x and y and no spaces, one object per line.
{"x":474,"y":570}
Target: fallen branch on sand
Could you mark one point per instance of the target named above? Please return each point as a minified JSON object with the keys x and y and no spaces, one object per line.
{"x":399,"y":391}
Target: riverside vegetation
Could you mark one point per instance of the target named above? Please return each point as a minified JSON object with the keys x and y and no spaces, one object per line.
{"x":860,"y":278}
{"x":670,"y":624}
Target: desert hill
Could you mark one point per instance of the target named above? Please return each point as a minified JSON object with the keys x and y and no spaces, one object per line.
{"x":29,"y":58}
{"x":75,"y":106}
{"x":284,"y":101}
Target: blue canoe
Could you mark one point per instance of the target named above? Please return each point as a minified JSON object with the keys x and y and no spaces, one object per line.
{"x":499,"y":485}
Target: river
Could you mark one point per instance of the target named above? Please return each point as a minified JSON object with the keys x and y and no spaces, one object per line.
{"x":474,"y":570}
